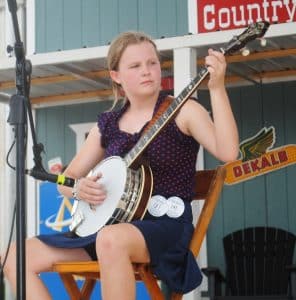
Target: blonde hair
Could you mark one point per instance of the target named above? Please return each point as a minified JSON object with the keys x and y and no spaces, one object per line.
{"x":117,"y":47}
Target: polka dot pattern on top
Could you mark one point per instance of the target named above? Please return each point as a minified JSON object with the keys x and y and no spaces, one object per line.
{"x":171,"y":155}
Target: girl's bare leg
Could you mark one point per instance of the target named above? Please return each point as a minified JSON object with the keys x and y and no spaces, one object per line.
{"x":39,"y":258}
{"x":117,"y":247}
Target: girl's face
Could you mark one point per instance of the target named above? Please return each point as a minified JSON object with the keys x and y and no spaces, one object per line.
{"x":139,"y":71}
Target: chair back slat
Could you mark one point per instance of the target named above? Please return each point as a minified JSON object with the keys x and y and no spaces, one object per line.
{"x":256,"y":260}
{"x":209,"y":184}
{"x":203,"y":180}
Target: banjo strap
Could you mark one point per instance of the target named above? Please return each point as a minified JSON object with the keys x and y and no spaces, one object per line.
{"x":141,"y":160}
{"x":162,"y":108}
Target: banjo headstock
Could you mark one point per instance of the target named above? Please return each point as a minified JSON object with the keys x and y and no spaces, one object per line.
{"x":254,"y":31}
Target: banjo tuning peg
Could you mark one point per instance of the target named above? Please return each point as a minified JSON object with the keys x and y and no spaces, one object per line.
{"x":245,"y":51}
{"x":263,"y":42}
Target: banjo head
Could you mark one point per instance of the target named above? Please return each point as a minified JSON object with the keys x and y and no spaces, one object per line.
{"x":114,"y":175}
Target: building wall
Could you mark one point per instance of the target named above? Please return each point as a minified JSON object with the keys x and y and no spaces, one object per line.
{"x":52,"y":126}
{"x":72,"y":24}
{"x":268,"y":200}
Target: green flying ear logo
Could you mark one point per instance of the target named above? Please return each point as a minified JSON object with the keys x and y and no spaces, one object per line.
{"x":257,"y":145}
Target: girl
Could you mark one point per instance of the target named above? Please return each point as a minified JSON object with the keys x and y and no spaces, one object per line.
{"x":160,"y":238}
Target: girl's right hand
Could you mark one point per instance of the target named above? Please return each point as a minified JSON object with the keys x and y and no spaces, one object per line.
{"x":89,"y":189}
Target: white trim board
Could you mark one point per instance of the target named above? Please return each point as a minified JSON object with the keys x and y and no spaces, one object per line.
{"x":195,"y":40}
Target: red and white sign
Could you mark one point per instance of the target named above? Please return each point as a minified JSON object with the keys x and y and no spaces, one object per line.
{"x":213,"y":15}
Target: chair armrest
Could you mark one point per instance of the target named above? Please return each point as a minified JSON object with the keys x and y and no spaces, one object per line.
{"x":215,"y":279}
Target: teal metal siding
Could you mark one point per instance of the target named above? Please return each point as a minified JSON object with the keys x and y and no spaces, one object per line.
{"x":128,"y":15}
{"x":290,"y":135}
{"x":148,"y":17}
{"x":54,"y":34}
{"x":269,"y":199}
{"x":73,"y":24}
{"x":40,"y":40}
{"x":53,"y":131}
{"x":166,"y":26}
{"x":91,"y":33}
{"x":108,"y":21}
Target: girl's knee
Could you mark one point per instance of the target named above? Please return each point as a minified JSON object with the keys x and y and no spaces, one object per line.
{"x":108,"y":242}
{"x":10,"y":262}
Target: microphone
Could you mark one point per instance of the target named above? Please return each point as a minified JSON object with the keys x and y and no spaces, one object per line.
{"x":44,"y":176}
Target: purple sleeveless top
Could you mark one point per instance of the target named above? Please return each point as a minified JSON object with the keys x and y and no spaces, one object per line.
{"x":171,"y":156}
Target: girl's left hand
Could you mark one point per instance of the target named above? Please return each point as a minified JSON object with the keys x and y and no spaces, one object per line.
{"x":216,"y":65}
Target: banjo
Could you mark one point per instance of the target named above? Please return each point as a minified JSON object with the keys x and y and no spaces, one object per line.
{"x":129,"y":184}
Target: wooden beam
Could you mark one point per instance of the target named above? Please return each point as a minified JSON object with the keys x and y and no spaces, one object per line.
{"x":262,"y":76}
{"x":257,"y":56}
{"x":108,"y":92}
{"x":165,"y":65}
{"x":262,"y":55}
{"x":57,"y":79}
{"x":71,"y":96}
{"x":240,"y":58}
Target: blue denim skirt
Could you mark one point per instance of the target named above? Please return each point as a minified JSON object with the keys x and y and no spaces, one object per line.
{"x":167,"y":240}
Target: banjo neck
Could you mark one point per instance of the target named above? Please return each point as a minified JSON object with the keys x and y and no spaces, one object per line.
{"x":255,"y":30}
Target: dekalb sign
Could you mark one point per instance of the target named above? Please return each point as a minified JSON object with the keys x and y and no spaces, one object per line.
{"x":258,"y":157}
{"x":216,"y":15}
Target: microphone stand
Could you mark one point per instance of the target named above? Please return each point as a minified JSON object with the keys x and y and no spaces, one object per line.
{"x":20,"y":107}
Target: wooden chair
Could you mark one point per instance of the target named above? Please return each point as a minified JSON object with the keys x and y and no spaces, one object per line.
{"x":258,"y":265}
{"x":209,"y":184}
